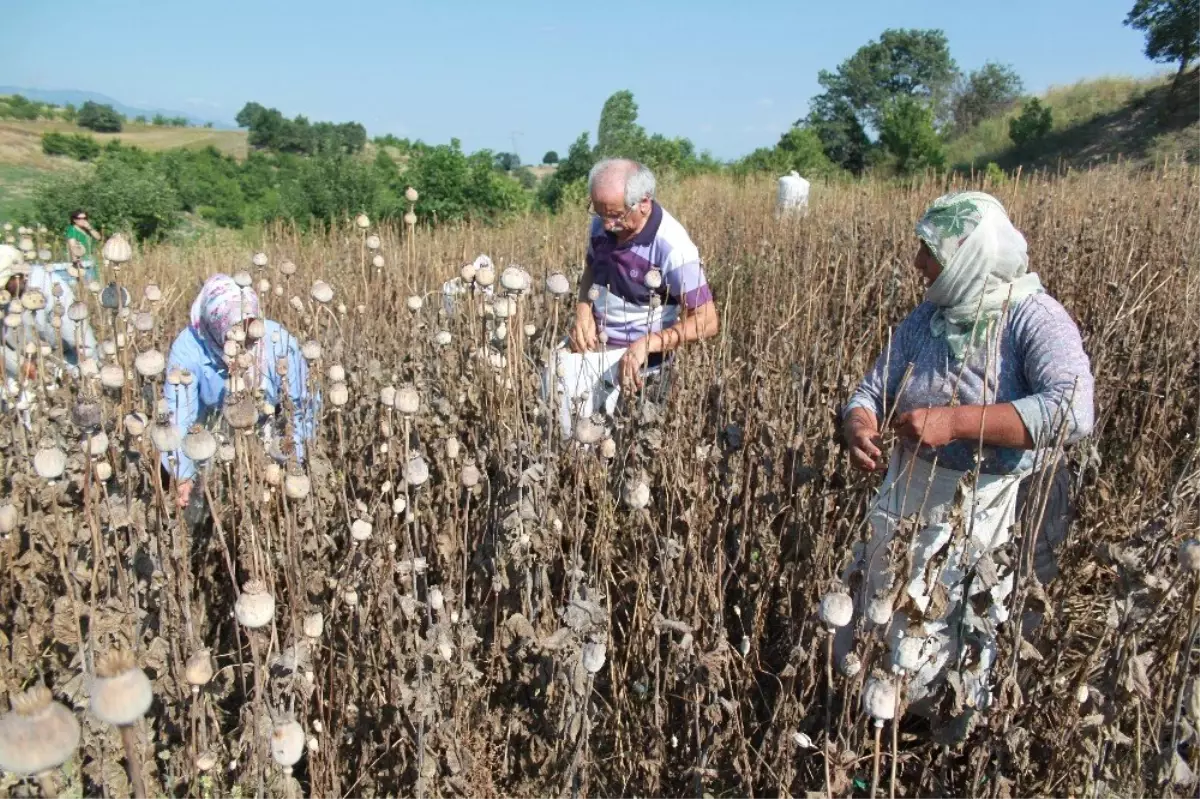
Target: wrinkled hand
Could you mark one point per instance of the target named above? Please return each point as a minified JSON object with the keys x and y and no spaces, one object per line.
{"x":862,"y":436}
{"x":933,"y":427}
{"x":29,"y":369}
{"x":632,"y":362}
{"x":183,"y":492}
{"x":583,"y":333}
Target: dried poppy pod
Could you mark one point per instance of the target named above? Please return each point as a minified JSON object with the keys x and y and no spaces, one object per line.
{"x":50,"y":461}
{"x":504,"y":307}
{"x":416,"y":471}
{"x":12,"y":321}
{"x":339,"y":395}
{"x":879,"y":611}
{"x":272,"y":474}
{"x":97,"y":444}
{"x":337,"y":373}
{"x":387,"y":396}
{"x":117,"y":250}
{"x":33,"y":300}
{"x":1081,"y":694}
{"x":241,"y":414}
{"x":287,"y":744}
{"x":398,"y":506}
{"x":850,"y":665}
{"x":909,"y":654}
{"x":199,"y":669}
{"x":264,"y":286}
{"x":410,"y":218}
{"x":311,"y":350}
{"x":102,"y":471}
{"x":143,"y":321}
{"x":411,"y":195}
{"x":879,"y":700}
{"x":608,"y":449}
{"x":259,"y":260}
{"x":121,"y":693}
{"x":243,"y":280}
{"x":408,"y":401}
{"x":443,"y":338}
{"x":415,"y":303}
{"x":38,"y":734}
{"x":637,"y":495}
{"x":592,"y":656}
{"x":150,"y":363}
{"x":226,"y":453}
{"x":588,"y":432}
{"x":165,"y":437}
{"x":453,"y":448}
{"x":557,"y":285}
{"x":362,"y":221}
{"x":199,"y":445}
{"x":372,"y":242}
{"x":837,"y":609}
{"x":360,"y":530}
{"x":314,"y":624}
{"x":152,"y":293}
{"x":255,"y":607}
{"x":322,"y":292}
{"x":653,"y":280}
{"x":485,"y":276}
{"x":287,"y":268}
{"x":86,"y":415}
{"x":500,"y":332}
{"x":297,"y":486}
{"x":112,"y":376}
{"x":378,"y":262}
{"x":514,"y":279}
{"x":135,"y":424}
{"x":26,"y":244}
{"x":469,"y":476}
{"x":8,"y":518}
{"x":469,"y":272}
{"x":530,"y":330}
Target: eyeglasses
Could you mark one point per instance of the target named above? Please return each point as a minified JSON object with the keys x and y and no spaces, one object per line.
{"x":619,"y":218}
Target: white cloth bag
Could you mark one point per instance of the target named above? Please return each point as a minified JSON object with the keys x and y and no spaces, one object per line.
{"x":792,"y":197}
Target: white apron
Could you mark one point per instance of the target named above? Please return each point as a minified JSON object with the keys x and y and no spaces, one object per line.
{"x":956,"y":525}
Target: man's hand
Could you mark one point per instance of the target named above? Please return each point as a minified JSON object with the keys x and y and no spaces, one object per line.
{"x":933,"y":427}
{"x":183,"y":492}
{"x":632,"y":362}
{"x":583,"y":332}
{"x":862,"y":436}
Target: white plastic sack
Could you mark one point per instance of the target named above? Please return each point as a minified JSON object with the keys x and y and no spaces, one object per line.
{"x":585,"y":383}
{"x":793,"y":195}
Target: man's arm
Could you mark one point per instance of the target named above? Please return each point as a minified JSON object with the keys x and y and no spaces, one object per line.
{"x":701,"y":323}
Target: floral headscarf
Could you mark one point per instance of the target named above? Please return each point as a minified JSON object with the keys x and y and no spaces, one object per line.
{"x":984,"y":266}
{"x":220,"y":306}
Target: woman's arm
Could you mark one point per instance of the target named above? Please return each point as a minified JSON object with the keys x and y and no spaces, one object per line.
{"x":183,"y":404}
{"x":994,"y":425}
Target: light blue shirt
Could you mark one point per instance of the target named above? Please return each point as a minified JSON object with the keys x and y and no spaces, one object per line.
{"x":206,"y":395}
{"x":77,"y":338}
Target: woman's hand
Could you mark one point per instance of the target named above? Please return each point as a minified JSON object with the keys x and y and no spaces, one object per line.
{"x":632,"y":362}
{"x":183,"y":492}
{"x":933,"y":427}
{"x":583,"y":333}
{"x":862,"y":436}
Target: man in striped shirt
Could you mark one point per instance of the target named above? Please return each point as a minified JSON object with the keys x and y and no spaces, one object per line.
{"x":643,"y":286}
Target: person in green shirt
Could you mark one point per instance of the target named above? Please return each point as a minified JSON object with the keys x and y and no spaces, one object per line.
{"x":81,"y":230}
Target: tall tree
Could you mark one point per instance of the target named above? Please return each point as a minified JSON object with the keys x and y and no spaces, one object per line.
{"x":983,"y":93}
{"x":903,"y":63}
{"x":1172,"y":29}
{"x":842,"y":136}
{"x":619,"y":134}
{"x":907,"y":132}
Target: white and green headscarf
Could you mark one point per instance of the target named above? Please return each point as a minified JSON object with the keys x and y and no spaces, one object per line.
{"x":984,"y":266}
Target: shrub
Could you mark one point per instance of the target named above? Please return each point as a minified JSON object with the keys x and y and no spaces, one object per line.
{"x":79,"y":146}
{"x":122,"y":193}
{"x":908,"y":134}
{"x":100,"y":118}
{"x":550,"y":158}
{"x":1034,"y":122}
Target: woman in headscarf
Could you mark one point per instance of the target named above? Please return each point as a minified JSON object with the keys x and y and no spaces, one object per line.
{"x":45,"y":295}
{"x":226,"y":318}
{"x":981,"y":383}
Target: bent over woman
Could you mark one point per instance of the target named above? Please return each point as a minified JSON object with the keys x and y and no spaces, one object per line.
{"x":980,"y":383}
{"x":267,"y":361}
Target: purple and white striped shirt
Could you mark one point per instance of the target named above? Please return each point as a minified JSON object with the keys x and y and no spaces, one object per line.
{"x":622,"y":309}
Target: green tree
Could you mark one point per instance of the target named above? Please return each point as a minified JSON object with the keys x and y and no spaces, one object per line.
{"x":984,"y":93}
{"x":526,"y":178}
{"x":140,"y":119}
{"x":123,"y":192}
{"x":1034,"y":122}
{"x":100,"y":118}
{"x":618,"y":133}
{"x":1172,"y":29}
{"x":908,"y":134}
{"x":507,"y":162}
{"x":903,"y":63}
{"x":573,"y":169}
{"x":160,"y":120}
{"x":842,"y":136}
{"x":69,"y":112}
{"x":550,"y":158}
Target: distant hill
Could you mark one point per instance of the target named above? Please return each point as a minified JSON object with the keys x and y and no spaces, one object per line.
{"x":1099,"y":120}
{"x":76,"y":97}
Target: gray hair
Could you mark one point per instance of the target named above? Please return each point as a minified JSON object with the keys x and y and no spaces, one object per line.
{"x":639,"y":180}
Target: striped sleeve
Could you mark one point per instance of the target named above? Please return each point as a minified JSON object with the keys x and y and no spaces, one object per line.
{"x":684,"y":276}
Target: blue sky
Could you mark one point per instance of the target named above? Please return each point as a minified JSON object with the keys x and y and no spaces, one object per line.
{"x":731,"y":76}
